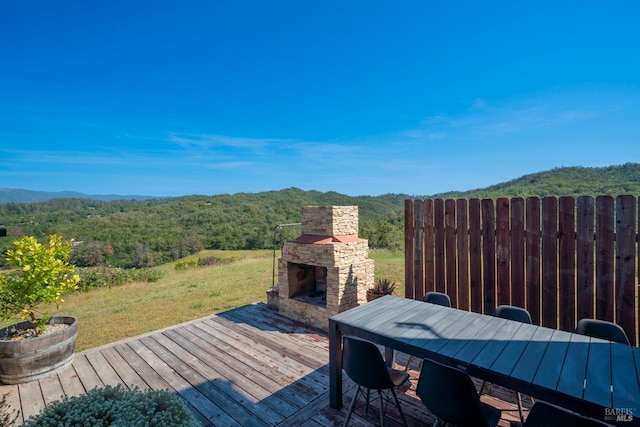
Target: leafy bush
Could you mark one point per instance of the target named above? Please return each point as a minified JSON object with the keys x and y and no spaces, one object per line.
{"x":43,"y":274}
{"x":183,"y":265}
{"x":107,"y":277}
{"x":116,"y":406}
{"x":383,"y":286}
{"x":209,"y":261}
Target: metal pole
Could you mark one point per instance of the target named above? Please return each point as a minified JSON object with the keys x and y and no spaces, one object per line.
{"x":275,"y":230}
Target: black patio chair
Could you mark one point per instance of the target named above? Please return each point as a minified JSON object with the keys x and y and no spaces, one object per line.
{"x":518,"y":314}
{"x":450,"y":395}
{"x":437,"y":298}
{"x":364,"y":364}
{"x":432,"y":297}
{"x":546,"y":415}
{"x":602,"y":329}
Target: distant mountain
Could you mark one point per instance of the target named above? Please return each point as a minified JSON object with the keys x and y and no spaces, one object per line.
{"x":18,"y":195}
{"x":565,"y":181}
{"x":138,"y":231}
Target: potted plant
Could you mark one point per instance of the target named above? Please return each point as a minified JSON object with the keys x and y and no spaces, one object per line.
{"x":380,"y":288}
{"x":39,"y":345}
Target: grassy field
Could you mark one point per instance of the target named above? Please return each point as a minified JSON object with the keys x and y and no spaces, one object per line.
{"x":111,"y":314}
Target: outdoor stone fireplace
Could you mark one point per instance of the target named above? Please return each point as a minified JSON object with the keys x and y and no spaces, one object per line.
{"x":327,"y":269}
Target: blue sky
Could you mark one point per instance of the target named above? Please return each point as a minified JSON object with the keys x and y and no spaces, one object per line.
{"x":169,"y":98}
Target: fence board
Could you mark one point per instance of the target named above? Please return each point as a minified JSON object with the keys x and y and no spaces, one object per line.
{"x":567,"y":263}
{"x":517,"y":253}
{"x":475,"y":253}
{"x":550,"y":262}
{"x":533,"y":236}
{"x":585,"y":273}
{"x":462,"y":243}
{"x":503,"y":256}
{"x":625,"y":283}
{"x":605,"y":222}
{"x":488,"y":256}
{"x":429,"y":262}
{"x":439,"y":241}
{"x":451,"y":250}
{"x":410,"y":247}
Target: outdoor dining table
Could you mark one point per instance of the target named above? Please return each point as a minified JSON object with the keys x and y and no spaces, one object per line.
{"x":595,"y":377}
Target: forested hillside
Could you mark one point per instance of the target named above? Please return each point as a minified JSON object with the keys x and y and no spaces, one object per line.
{"x":570,"y":181}
{"x":139,"y":233}
{"x":143,"y":233}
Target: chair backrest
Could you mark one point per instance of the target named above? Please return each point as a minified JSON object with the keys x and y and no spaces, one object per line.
{"x":513,"y":313}
{"x":449,"y":394}
{"x":364,"y":364}
{"x":543,"y":414}
{"x":437,"y":298}
{"x":602,"y":329}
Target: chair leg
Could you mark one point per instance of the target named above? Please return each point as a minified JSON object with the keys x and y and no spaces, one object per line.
{"x":352,"y":406}
{"x":406,"y":368}
{"x":395,"y":397}
{"x":366,"y":411}
{"x":519,"y":400}
{"x":381,"y":409}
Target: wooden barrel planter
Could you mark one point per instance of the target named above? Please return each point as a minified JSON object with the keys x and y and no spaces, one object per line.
{"x":34,"y":358}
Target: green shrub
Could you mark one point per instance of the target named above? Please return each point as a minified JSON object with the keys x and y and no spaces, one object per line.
{"x":183,"y":265}
{"x":116,"y":406}
{"x":42,"y":274}
{"x":209,"y":261}
{"x":107,"y":277}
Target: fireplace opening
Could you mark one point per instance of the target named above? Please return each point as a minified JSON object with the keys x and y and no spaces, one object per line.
{"x":308,"y":283}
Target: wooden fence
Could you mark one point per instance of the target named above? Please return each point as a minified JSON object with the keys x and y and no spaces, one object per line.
{"x":562,"y":259}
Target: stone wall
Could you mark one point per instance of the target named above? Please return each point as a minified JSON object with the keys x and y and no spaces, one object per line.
{"x":330,"y":220}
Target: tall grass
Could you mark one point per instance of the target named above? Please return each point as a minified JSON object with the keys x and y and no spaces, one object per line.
{"x":110,"y":314}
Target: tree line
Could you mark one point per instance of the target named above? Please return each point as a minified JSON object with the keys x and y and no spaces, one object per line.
{"x":144,"y":233}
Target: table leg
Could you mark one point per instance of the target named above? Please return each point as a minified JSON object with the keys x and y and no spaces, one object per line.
{"x":389,"y":355}
{"x":335,"y":365}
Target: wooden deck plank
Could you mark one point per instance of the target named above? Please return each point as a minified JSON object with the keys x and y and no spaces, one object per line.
{"x":31,"y":398}
{"x":276,"y":355}
{"x":257,"y":400}
{"x":271,"y":321}
{"x":12,"y":400}
{"x":153,"y":379}
{"x":249,"y":366}
{"x":51,"y":389}
{"x":105,"y":371}
{"x":127,"y":374}
{"x":70,"y":382}
{"x":260,"y":395}
{"x":224,"y":354}
{"x":206,"y":407}
{"x":235,"y":405}
{"x":88,"y":376}
{"x":311,"y":356}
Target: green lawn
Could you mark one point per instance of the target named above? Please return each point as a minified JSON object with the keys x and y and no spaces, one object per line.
{"x":111,"y":314}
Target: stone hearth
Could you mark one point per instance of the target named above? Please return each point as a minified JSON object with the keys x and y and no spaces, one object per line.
{"x":327,"y":269}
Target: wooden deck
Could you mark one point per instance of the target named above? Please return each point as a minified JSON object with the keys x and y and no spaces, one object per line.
{"x":248,"y":366}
